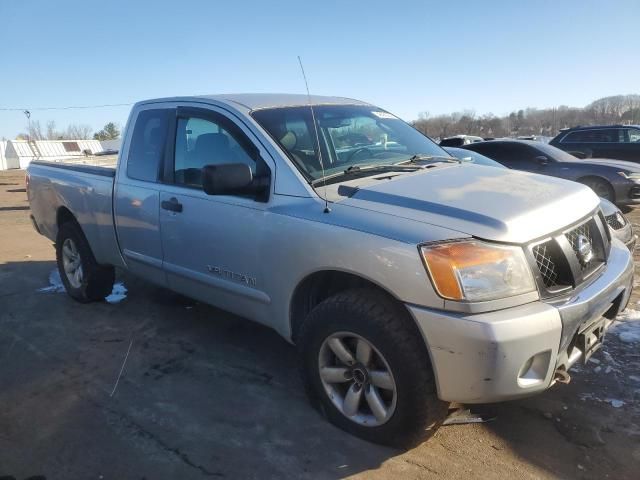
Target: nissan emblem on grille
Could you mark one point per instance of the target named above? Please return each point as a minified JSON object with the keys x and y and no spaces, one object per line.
{"x":584,"y":249}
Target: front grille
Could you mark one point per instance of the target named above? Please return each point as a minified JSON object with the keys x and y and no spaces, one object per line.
{"x":552,"y":265}
{"x":614,"y":221}
{"x":546,"y":265}
{"x":560,"y":265}
{"x":583,"y":230}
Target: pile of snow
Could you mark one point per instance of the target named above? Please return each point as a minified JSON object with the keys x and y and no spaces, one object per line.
{"x":627,"y":326}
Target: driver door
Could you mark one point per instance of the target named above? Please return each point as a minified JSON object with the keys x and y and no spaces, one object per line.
{"x":212,"y":244}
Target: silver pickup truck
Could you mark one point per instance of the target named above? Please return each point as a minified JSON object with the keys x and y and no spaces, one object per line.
{"x":406,"y":278}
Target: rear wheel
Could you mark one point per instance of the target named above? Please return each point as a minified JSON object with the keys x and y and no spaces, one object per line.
{"x":602,"y":188}
{"x":366,"y":368}
{"x":84,"y":279}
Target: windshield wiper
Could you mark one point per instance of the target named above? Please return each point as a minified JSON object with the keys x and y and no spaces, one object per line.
{"x":419,"y":157}
{"x":357,"y":169}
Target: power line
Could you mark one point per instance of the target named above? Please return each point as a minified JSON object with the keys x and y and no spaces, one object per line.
{"x":71,"y":107}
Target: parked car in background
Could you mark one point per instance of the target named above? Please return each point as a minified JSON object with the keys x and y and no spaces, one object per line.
{"x":619,"y":226}
{"x":459,"y":140}
{"x":406,"y":279}
{"x":616,"y":180}
{"x":610,"y":141}
{"x":471,"y":156}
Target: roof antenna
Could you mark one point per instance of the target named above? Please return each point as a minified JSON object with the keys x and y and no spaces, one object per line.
{"x":315,"y":127}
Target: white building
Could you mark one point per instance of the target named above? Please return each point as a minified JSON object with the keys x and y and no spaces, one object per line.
{"x":19,"y":153}
{"x":111,"y":144}
{"x":6,"y":164}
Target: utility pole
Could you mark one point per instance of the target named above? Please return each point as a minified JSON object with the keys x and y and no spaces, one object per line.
{"x":27,"y":113}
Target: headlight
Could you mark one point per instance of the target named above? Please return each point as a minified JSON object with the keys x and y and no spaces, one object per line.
{"x":476,"y":271}
{"x":630,"y":176}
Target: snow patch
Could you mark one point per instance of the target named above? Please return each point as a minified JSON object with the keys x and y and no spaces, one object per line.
{"x":627,"y":326}
{"x":588,"y":396}
{"x":55,"y":283}
{"x":629,"y":315}
{"x":118,"y":293}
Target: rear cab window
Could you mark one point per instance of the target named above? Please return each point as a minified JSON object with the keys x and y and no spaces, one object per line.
{"x":148,"y":144}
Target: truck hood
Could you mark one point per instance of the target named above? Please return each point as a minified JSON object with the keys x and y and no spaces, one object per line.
{"x":486,"y":202}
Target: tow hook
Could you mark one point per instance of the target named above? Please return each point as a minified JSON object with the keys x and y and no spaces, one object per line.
{"x":562,"y":376}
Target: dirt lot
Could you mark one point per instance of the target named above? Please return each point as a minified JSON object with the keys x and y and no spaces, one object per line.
{"x":208,"y":394}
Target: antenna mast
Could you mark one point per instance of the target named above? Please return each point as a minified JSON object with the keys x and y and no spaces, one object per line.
{"x":315,"y":128}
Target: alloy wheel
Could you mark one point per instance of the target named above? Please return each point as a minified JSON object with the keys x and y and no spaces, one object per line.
{"x":357,"y":379}
{"x":72,"y":263}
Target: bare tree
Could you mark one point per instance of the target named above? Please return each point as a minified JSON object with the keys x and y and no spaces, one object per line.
{"x":532,"y":121}
{"x":79,"y":132}
{"x":35,"y":131}
{"x":52,"y":133}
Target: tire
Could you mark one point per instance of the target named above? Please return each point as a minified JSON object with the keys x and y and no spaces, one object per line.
{"x":94,"y":282}
{"x":601,"y":187}
{"x":413,"y":410}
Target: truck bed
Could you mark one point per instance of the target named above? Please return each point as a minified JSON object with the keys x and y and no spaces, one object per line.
{"x":106,"y":170}
{"x":83,"y":189}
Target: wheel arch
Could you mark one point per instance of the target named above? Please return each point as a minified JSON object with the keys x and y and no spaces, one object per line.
{"x":64,"y":215}
{"x":593,"y":176}
{"x":322,"y":284}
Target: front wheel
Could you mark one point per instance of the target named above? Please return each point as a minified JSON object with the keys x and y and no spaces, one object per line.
{"x":366,"y":368}
{"x":83,"y":278}
{"x":602,"y":188}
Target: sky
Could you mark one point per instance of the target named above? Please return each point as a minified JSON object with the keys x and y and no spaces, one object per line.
{"x":405,"y":56}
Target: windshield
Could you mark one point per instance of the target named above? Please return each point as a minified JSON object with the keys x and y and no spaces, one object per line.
{"x":349,"y":135}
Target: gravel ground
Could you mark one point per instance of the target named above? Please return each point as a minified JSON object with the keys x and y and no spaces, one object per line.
{"x":208,"y":394}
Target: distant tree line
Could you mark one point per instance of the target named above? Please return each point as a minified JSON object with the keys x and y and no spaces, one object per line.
{"x":622,"y":109}
{"x":110,"y":131}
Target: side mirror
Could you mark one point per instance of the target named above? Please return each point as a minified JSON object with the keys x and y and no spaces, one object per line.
{"x":226,"y":178}
{"x":542,"y":160}
{"x":237,"y":179}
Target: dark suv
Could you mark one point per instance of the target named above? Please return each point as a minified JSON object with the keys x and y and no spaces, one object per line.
{"x":612,"y":141}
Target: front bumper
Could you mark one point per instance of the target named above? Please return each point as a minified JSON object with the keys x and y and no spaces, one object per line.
{"x":627,"y":194}
{"x":625,"y":235}
{"x":515,"y":352}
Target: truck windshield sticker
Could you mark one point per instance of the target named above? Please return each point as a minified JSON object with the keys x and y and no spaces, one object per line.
{"x":384,"y":115}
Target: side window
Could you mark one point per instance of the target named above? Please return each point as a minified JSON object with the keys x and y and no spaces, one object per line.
{"x":147,"y":145}
{"x":574,"y":137}
{"x":633,"y":135}
{"x":500,"y":153}
{"x":201,"y":142}
{"x":592,"y":136}
{"x":516,"y":156}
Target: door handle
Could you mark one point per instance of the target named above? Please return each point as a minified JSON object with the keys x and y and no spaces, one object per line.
{"x":173,"y":205}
